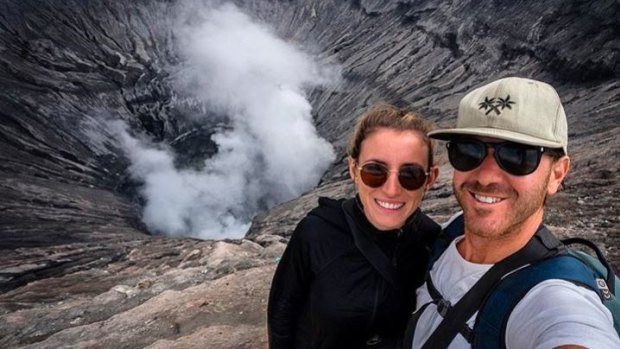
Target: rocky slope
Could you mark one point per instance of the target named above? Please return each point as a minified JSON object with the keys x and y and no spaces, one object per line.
{"x":77,"y":268}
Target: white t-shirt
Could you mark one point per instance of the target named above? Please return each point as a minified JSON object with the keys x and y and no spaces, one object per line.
{"x":553,"y":313}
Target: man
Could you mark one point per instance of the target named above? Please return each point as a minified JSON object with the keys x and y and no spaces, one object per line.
{"x":509,"y":152}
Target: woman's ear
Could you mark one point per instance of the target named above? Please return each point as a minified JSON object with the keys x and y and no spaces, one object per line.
{"x":559,"y":170}
{"x":351,"y":162}
{"x":432,"y":177}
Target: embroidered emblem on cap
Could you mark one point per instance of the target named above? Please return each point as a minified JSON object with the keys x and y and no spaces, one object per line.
{"x":496,"y":105}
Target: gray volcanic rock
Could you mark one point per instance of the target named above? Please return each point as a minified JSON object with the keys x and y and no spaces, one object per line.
{"x":138,"y":293}
{"x":78,"y":268}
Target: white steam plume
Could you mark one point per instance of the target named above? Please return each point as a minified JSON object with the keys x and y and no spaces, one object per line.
{"x":269,"y":154}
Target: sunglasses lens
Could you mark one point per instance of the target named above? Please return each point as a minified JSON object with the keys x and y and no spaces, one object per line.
{"x":373,"y":175}
{"x":516,"y":159}
{"x":411,"y":177}
{"x":466,"y":155}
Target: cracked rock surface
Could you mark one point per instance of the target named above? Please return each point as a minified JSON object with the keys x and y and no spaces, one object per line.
{"x":77,"y":268}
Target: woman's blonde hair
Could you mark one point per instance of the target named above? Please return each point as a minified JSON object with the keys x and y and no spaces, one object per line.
{"x":385,"y":115}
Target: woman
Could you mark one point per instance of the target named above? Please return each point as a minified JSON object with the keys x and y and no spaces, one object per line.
{"x":348,"y":276}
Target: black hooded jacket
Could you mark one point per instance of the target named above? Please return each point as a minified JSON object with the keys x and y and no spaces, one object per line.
{"x":341,"y":283}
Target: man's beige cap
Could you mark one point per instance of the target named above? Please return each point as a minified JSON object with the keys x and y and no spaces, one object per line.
{"x":514,"y":109}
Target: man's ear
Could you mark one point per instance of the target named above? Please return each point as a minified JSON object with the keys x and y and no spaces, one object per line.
{"x":351,"y":162}
{"x":559,"y":170}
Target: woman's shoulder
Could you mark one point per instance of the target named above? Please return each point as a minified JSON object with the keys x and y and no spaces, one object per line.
{"x":425,"y":229}
{"x":427,"y":223}
{"x":324,"y":221}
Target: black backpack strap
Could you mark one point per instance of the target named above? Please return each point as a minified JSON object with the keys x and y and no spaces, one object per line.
{"x":369,"y":249}
{"x":542,"y":245}
{"x":412,"y":324}
{"x":444,"y":306}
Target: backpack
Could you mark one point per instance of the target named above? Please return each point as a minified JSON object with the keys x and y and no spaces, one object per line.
{"x":496,"y":294}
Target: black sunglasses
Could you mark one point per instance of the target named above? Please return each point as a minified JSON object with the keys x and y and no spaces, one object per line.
{"x":410,"y":177}
{"x":516,"y":159}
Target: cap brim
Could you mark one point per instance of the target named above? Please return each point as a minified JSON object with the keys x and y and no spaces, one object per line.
{"x":448,"y":134}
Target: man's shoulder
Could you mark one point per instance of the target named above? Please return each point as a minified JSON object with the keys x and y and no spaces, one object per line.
{"x":557,"y":312}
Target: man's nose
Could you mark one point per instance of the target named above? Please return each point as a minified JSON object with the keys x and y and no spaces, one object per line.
{"x":489,"y":170}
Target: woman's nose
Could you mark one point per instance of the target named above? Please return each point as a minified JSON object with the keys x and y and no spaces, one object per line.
{"x":392,"y":185}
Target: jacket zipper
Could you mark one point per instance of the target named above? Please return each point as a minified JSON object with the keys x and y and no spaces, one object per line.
{"x":375,"y":306}
{"x":399,"y":234}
